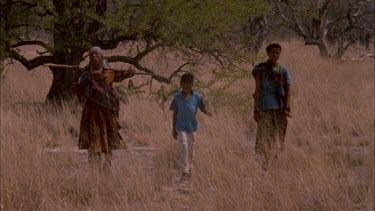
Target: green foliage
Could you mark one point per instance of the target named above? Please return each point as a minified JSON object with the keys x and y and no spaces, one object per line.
{"x":199,"y":32}
{"x":240,"y":103}
{"x":210,"y":27}
{"x":219,"y":91}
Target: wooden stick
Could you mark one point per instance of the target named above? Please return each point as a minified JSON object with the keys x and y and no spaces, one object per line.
{"x":72,"y":67}
{"x":59,"y":66}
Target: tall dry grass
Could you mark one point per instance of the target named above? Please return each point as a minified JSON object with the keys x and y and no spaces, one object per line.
{"x":328,"y":162}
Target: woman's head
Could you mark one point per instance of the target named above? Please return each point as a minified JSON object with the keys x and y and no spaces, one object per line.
{"x":273,"y":52}
{"x":96,"y":55}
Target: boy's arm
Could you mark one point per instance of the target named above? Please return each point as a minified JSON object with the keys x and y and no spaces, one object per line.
{"x":174,"y":108}
{"x":208,"y":113}
{"x":202,"y":107}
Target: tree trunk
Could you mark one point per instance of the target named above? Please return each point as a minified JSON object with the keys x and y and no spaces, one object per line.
{"x":63,"y":79}
{"x":257,"y":27}
{"x":323,"y":50}
{"x":340,"y":53}
{"x":62,"y":85}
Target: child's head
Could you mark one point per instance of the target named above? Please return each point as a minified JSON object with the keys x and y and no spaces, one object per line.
{"x":186,"y":82}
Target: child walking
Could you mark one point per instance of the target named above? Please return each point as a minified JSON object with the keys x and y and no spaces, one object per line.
{"x":184,"y":107}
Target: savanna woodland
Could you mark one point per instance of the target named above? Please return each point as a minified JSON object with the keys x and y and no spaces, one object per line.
{"x":327,"y":46}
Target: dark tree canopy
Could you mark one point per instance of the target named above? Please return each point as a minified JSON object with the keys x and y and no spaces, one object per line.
{"x":193,"y":29}
{"x":223,"y":32}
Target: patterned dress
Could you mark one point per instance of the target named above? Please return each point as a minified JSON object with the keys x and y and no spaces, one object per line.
{"x":99,"y":128}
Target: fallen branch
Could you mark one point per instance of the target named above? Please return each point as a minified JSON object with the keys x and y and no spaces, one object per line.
{"x":358,"y":59}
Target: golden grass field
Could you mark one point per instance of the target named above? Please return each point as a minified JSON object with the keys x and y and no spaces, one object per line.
{"x":328,"y":163}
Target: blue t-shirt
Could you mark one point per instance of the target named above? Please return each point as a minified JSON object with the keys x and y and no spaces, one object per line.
{"x":268,"y":99}
{"x":187,"y":111}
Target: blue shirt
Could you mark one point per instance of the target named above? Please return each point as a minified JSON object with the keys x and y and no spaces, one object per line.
{"x":268,"y":99}
{"x":187,"y":111}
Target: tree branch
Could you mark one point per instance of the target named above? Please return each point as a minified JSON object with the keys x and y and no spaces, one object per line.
{"x":178,"y":70}
{"x":311,"y":42}
{"x":359,"y":1}
{"x":30,"y":64}
{"x":292,"y":23}
{"x":329,"y":22}
{"x":27,"y":4}
{"x":101,"y":8}
{"x":323,"y":8}
{"x":296,"y":26}
{"x":132,"y":61}
{"x":146,"y":51}
{"x":30,"y":42}
{"x":110,"y":44}
{"x":124,"y":59}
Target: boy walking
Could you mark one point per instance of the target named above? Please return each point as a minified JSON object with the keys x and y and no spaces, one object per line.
{"x":184,"y":107}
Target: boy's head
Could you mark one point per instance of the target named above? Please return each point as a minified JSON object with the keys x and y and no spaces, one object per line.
{"x":186,"y":82}
{"x":273,"y":52}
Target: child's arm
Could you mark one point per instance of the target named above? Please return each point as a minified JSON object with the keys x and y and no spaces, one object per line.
{"x":174,"y":132}
{"x":202,"y":107}
{"x":174,"y":108}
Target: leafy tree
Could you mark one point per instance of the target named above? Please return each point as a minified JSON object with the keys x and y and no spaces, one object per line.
{"x":195,"y":31}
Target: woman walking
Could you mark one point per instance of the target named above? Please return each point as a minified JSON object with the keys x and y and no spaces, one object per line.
{"x":271,"y":104}
{"x":99,"y":128}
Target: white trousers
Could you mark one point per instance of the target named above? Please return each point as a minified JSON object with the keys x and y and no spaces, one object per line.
{"x":186,"y":141}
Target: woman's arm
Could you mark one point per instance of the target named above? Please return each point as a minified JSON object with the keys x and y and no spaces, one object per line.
{"x":123,"y":74}
{"x":130,"y":72}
